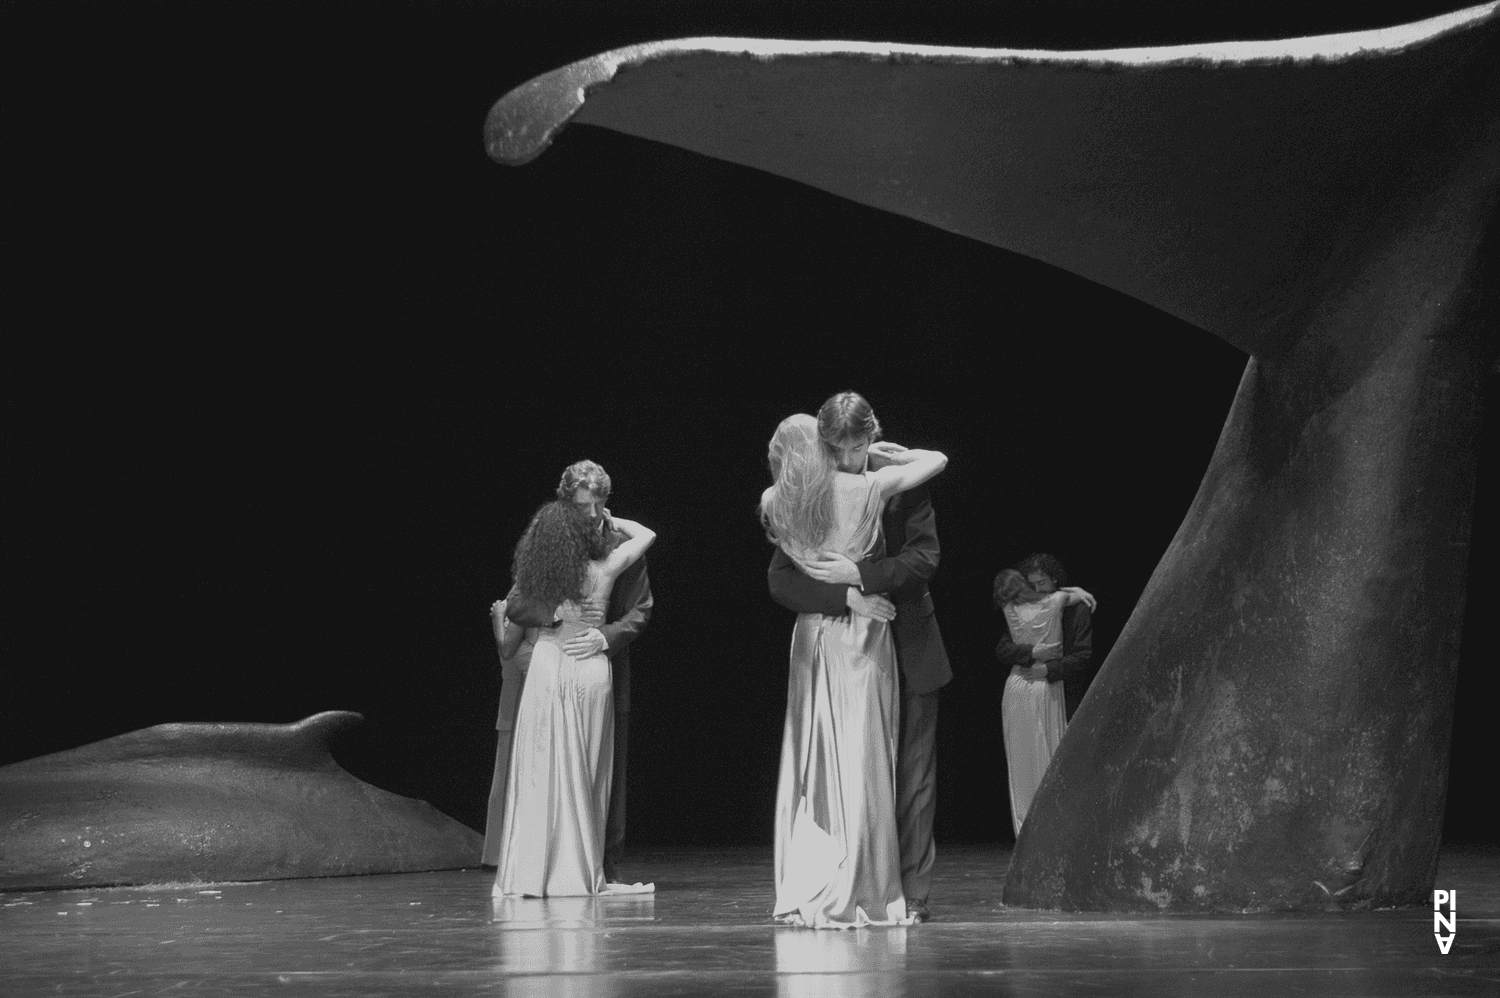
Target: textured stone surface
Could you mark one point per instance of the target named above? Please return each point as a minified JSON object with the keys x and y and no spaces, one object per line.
{"x":212,"y":802}
{"x":1271,"y":730}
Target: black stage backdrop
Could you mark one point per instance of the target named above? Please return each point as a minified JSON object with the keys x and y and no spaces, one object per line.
{"x":292,"y":362}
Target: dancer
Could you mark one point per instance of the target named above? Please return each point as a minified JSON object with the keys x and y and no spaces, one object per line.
{"x":1073,"y":668}
{"x":893,"y":579}
{"x":557,"y":799}
{"x":838,"y":860}
{"x":616,"y":624}
{"x":514,"y":643}
{"x":1031,"y":710}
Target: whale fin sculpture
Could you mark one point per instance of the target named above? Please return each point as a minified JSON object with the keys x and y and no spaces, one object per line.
{"x":1271,"y":729}
{"x":182,"y":803}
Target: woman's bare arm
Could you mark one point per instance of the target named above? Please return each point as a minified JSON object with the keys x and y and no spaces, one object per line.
{"x":639,"y":538}
{"x":907,"y":468}
{"x":1076,"y":595}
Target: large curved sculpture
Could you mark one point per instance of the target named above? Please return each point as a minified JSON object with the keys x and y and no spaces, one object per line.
{"x":1271,"y":730}
{"x":213,"y":802}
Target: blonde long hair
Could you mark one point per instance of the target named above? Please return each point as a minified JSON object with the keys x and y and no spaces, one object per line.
{"x":798,"y":507}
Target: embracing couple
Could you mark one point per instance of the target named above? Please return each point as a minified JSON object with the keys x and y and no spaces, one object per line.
{"x":856,"y":545}
{"x":580,"y":596}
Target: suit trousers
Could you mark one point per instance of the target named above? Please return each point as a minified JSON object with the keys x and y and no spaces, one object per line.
{"x":494,"y":824}
{"x":916,"y":791}
{"x":614,"y":826}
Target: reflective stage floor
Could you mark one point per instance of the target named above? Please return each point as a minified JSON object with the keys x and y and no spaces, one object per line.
{"x":708,"y":930}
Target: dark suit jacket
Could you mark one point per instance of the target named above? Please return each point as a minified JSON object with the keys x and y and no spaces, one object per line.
{"x":626,"y":617}
{"x":1074,"y":669}
{"x":911,"y":559}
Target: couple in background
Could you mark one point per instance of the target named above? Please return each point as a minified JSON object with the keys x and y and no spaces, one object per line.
{"x":580,"y":596}
{"x":1048,"y":641}
{"x":856,"y":547}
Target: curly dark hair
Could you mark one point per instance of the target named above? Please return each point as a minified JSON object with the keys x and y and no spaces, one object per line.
{"x":552,"y":556}
{"x":1046,"y":564}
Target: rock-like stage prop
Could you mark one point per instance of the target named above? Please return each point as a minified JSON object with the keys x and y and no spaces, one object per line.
{"x":180,"y":803}
{"x":1271,"y":730}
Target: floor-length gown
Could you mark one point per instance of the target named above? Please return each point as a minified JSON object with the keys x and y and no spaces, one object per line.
{"x":557,"y":799}
{"x":838,"y":862}
{"x":1032,"y":711}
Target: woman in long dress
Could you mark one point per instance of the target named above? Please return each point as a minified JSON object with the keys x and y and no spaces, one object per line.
{"x":1032,"y":711}
{"x":557,"y":798}
{"x":838,"y":862}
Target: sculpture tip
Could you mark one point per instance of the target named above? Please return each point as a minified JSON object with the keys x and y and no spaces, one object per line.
{"x":522,"y":124}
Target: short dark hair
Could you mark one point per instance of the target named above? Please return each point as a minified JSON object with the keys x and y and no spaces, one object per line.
{"x":847,"y":416}
{"x":1046,"y":564}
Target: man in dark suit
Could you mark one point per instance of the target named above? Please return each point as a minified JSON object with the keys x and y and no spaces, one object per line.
{"x":629,"y":610}
{"x":895,"y":583}
{"x":1071,"y":666}
{"x":514,"y":644}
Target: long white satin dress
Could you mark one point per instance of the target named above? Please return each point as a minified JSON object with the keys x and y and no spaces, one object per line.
{"x":557,"y":798}
{"x":1032,"y":711}
{"x":838,"y":862}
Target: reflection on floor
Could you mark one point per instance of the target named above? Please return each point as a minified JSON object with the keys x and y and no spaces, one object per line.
{"x":708,"y":930}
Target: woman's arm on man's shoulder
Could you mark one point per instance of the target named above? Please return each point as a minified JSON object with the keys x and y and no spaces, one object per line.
{"x":907,"y":468}
{"x":638,"y":538}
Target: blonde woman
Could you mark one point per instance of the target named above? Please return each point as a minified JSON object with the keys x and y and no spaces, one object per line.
{"x":838,"y":861}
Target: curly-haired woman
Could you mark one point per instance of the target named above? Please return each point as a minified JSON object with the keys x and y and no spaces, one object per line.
{"x":557,"y":798}
{"x":838,"y":859}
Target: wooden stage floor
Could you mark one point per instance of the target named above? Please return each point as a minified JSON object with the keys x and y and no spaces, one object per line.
{"x":708,"y":931}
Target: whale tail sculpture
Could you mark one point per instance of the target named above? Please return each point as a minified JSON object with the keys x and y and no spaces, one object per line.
{"x":212,"y":802}
{"x":1271,"y":730}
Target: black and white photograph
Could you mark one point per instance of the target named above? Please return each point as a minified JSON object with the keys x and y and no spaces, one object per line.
{"x":750,"y":498}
